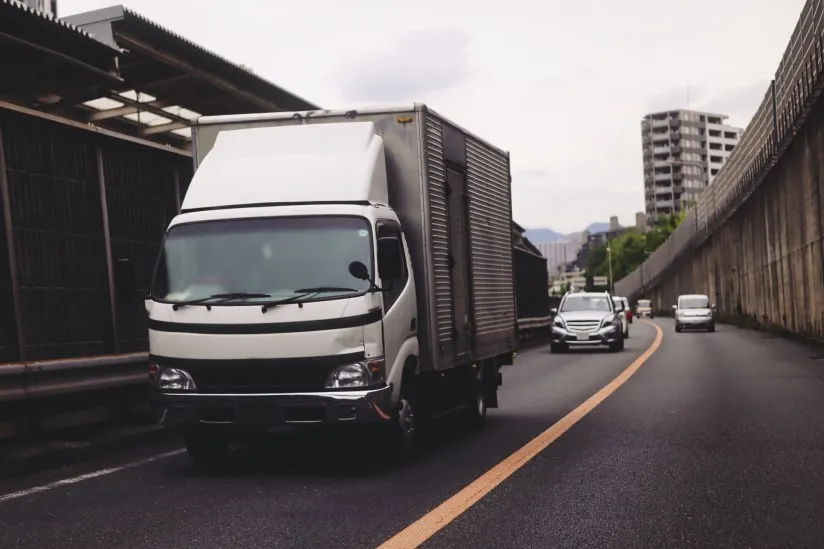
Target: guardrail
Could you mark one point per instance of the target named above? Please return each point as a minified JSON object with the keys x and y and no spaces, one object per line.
{"x":29,"y":380}
{"x":788,"y":101}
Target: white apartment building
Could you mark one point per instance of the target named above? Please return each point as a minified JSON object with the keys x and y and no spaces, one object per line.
{"x":683,"y":151}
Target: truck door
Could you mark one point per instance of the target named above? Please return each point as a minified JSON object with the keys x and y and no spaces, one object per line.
{"x":457,"y":200}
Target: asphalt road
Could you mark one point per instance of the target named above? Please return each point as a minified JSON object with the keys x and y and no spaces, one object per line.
{"x":715,"y":441}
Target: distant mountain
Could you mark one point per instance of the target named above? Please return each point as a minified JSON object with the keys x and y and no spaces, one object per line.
{"x":545,"y":236}
{"x":597,"y":227}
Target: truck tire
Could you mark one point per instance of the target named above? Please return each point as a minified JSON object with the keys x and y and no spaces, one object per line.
{"x":207,"y":448}
{"x":476,"y":409}
{"x":398,"y":437}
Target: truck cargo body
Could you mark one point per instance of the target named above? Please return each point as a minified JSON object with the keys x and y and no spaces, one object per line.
{"x":282,"y":202}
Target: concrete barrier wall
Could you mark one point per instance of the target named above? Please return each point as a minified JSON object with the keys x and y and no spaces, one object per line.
{"x":754,"y":241}
{"x":766,"y":262}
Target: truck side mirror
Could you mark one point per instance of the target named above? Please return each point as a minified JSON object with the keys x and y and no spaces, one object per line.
{"x":125,"y":279}
{"x":390,"y":258}
{"x":359,"y":270}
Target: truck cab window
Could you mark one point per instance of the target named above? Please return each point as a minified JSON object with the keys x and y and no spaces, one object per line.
{"x":397,"y":286}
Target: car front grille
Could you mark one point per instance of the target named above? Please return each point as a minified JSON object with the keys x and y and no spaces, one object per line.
{"x":583,"y":325}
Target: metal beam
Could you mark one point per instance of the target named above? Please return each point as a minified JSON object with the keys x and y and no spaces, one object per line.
{"x":10,"y":248}
{"x":93,"y":128}
{"x":148,"y":108}
{"x":163,"y":128}
{"x":123,"y":111}
{"x":146,"y":49}
{"x":107,"y":242}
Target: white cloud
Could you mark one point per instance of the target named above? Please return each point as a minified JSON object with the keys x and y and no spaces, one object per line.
{"x":561,"y":85}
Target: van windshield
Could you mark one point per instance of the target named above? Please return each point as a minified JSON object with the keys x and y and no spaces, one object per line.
{"x":693,"y":303}
{"x":272,"y":258}
{"x":644,"y":302}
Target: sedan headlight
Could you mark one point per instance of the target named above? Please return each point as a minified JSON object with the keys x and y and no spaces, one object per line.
{"x":559,"y":322}
{"x":174,"y":379}
{"x":359,"y":374}
{"x":606,"y":322}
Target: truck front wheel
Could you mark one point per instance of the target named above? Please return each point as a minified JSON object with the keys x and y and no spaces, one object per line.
{"x":207,"y":448}
{"x":398,"y":437}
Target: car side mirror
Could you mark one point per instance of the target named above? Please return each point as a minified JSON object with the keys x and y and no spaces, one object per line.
{"x":674,"y":307}
{"x":125,"y":278}
{"x":714,"y":307}
{"x":554,"y":311}
{"x":390,"y":258}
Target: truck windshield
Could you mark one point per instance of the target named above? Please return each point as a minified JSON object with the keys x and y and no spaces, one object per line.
{"x":270,"y":258}
{"x":694,"y":303}
{"x":585,"y":303}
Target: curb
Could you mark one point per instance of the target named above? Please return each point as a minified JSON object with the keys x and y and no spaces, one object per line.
{"x":26,"y":460}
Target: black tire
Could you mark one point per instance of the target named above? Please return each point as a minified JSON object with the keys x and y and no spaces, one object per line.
{"x":476,"y":409}
{"x":207,"y":448}
{"x":626,"y":334}
{"x":398,"y":437}
{"x":677,"y":328}
{"x":617,"y":347}
{"x":711,"y":328}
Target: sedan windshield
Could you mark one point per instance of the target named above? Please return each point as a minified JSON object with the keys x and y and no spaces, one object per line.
{"x":694,"y":303}
{"x":257,"y":260}
{"x":585,"y":303}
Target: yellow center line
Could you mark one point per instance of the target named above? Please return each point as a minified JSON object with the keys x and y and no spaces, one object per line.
{"x":435,"y":520}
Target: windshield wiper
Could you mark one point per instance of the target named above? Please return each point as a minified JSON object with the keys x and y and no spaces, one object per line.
{"x":325,"y":289}
{"x":223,"y":297}
{"x":271,"y":304}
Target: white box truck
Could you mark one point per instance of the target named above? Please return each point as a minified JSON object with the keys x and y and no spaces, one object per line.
{"x":333,"y":268}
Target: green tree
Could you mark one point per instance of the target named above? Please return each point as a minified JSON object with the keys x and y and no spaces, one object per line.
{"x":631,"y":249}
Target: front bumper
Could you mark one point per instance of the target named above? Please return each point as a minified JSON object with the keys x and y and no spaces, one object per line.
{"x":695,"y":322}
{"x":274,"y":410}
{"x":601,"y":337}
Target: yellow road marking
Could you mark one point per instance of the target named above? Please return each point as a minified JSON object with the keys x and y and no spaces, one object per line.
{"x":431,"y":523}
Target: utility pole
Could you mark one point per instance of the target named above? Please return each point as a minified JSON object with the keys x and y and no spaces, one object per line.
{"x":609,"y":258}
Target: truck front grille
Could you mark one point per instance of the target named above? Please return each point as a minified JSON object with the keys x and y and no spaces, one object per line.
{"x":292,"y":375}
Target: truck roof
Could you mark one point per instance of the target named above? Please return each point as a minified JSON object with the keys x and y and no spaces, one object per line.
{"x":291,"y":164}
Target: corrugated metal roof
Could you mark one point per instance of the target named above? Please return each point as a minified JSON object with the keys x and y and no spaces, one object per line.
{"x":130,"y":13}
{"x":54,"y":20}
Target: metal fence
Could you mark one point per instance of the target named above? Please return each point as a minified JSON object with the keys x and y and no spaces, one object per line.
{"x":75,"y":203}
{"x":786,"y":106}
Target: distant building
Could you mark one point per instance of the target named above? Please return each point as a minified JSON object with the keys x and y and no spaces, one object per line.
{"x":598,"y":239}
{"x":48,"y":7}
{"x":683,"y":151}
{"x":641,"y":222}
{"x":558,"y":254}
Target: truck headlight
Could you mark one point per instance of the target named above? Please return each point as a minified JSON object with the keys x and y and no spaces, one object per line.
{"x":175,"y":379}
{"x":360,"y":374}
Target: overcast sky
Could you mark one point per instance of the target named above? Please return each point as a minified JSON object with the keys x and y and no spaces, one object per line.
{"x":562,"y":85}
